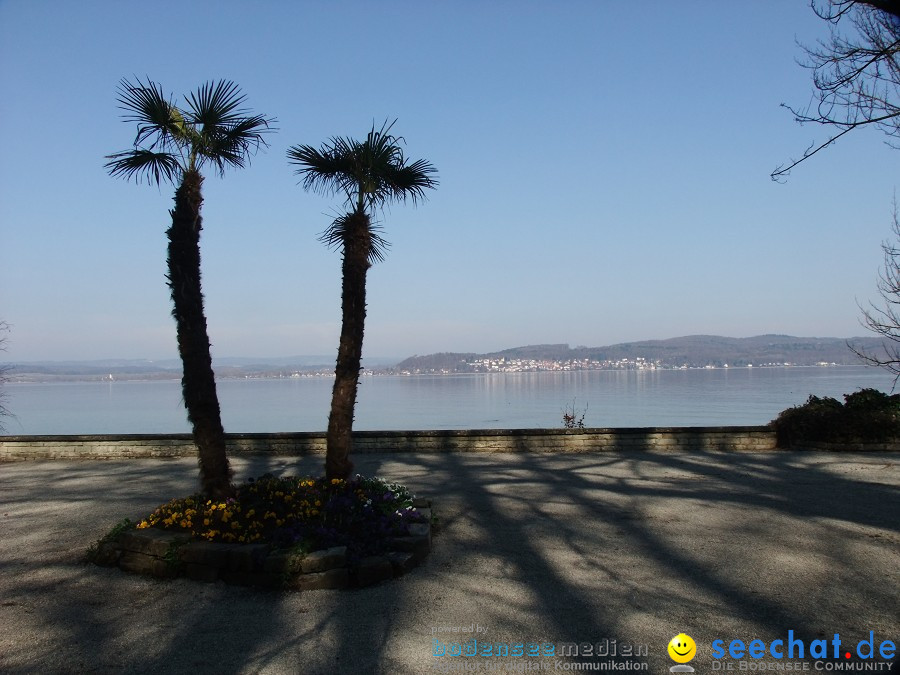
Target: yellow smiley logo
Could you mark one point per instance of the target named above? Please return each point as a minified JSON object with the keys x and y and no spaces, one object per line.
{"x":682,"y":648}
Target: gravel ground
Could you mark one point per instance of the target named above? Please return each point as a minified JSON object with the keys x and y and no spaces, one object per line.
{"x":545,"y":549}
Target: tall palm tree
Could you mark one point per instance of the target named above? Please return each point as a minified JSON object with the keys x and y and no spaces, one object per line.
{"x":174,"y":144}
{"x":369,"y":174}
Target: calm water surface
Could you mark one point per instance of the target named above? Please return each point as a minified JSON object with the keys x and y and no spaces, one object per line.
{"x":734,"y":396}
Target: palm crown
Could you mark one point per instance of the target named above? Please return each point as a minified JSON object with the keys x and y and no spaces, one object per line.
{"x":212,"y":128}
{"x":369,"y":173}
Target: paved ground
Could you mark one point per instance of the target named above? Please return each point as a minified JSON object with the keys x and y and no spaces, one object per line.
{"x":533,"y":548}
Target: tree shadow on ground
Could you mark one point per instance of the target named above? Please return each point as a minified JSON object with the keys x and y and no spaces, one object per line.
{"x":628,"y":546}
{"x":765,"y":496}
{"x":196,"y":627}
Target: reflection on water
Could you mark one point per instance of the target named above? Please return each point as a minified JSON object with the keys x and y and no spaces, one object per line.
{"x":733,"y":396}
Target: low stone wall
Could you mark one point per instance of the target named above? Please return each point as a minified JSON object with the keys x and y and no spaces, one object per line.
{"x":652,"y":439}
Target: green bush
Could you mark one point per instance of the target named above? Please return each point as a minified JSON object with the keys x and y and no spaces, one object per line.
{"x":866,"y":416}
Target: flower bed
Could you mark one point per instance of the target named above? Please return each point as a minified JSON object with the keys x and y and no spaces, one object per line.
{"x":279,"y":532}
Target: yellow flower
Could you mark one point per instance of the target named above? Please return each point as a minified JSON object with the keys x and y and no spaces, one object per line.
{"x":143,"y":525}
{"x":206,"y":522}
{"x":318,"y":503}
{"x":251,"y":513}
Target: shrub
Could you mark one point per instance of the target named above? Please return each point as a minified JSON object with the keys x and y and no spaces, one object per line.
{"x":571,"y":418}
{"x":867,"y":415}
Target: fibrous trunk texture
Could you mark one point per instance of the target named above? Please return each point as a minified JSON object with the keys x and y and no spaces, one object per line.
{"x":198,"y":384}
{"x":356,"y":247}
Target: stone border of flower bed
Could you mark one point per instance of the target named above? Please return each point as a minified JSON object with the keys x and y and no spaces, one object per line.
{"x":168,"y":554}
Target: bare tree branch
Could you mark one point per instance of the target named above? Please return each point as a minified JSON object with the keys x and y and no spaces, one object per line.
{"x":884,"y":321}
{"x":833,"y":10}
{"x":856,"y":76}
{"x":4,"y":370}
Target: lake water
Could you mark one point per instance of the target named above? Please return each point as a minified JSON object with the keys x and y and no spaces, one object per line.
{"x":733,"y":396}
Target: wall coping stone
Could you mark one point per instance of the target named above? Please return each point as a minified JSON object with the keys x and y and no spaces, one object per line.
{"x":589,"y":440}
{"x":416,"y":433}
{"x":125,"y":446}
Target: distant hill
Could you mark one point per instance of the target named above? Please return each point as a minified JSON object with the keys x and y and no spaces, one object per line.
{"x":692,"y":351}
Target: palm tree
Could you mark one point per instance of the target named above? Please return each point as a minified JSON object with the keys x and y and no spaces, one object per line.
{"x":369,"y":174}
{"x":174,"y":144}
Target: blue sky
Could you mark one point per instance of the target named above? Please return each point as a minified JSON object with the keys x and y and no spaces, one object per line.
{"x":604,"y":176}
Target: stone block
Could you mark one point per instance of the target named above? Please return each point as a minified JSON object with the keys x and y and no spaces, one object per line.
{"x":108,"y":554}
{"x":320,"y":561}
{"x":420,"y":530}
{"x":282,"y":563}
{"x":151,"y":541}
{"x":401,"y":561}
{"x":336,"y":578}
{"x":418,"y":546}
{"x":373,"y":570}
{"x":248,"y":578}
{"x":140,"y":563}
{"x":247,"y":558}
{"x":199,"y":572}
{"x":206,"y":553}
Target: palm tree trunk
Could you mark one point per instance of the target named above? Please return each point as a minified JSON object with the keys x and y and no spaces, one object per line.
{"x":198,"y":384}
{"x":356,"y":245}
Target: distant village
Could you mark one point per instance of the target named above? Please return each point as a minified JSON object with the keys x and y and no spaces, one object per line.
{"x":519,"y":365}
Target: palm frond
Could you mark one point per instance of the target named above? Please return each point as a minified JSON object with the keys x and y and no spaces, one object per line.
{"x":343,"y":230}
{"x":233,"y":144}
{"x":410,"y":180}
{"x":216,"y":104}
{"x":369,"y":172}
{"x":144,"y":164}
{"x":326,"y":171}
{"x":154,"y":114}
{"x":214,"y":129}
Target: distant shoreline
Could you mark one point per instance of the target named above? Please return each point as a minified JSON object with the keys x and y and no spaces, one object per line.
{"x":692,"y":352}
{"x":169,"y":376}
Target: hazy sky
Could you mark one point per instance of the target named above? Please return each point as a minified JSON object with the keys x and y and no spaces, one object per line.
{"x":604,"y":176}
